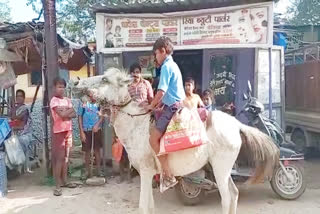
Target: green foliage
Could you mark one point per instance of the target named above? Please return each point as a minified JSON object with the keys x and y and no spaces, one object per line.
{"x":304,"y":12}
{"x":5,"y":11}
{"x":75,"y":20}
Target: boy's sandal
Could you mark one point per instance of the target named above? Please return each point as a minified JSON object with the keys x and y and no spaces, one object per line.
{"x":57,"y":192}
{"x":70,"y":185}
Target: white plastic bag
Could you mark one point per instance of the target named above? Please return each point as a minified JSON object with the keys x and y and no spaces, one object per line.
{"x":185,"y":131}
{"x":14,"y":151}
{"x":7,"y":76}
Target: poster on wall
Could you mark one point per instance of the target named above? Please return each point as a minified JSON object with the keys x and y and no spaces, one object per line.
{"x":263,"y":76}
{"x":124,"y":32}
{"x":247,"y":25}
{"x":244,"y":26}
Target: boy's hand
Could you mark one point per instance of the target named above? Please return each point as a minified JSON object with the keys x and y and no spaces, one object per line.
{"x":82,"y":136}
{"x":146,"y":106}
{"x":96,"y":128}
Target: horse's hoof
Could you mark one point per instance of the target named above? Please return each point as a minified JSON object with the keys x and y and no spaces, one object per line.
{"x":148,"y":211}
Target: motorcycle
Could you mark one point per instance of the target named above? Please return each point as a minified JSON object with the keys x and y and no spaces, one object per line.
{"x":288,"y":180}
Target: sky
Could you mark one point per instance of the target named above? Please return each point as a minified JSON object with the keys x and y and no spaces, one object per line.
{"x":20,"y":12}
{"x":281,"y":6}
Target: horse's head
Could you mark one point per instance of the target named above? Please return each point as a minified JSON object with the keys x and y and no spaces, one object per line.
{"x":109,"y":88}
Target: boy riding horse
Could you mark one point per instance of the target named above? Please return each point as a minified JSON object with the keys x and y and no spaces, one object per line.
{"x":169,"y":97}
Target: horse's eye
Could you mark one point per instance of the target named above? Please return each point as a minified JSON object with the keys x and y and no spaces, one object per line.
{"x":105,"y":79}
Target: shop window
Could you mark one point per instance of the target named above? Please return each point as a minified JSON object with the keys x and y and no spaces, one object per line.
{"x":112,"y":61}
{"x":35,"y":78}
{"x":223,"y":79}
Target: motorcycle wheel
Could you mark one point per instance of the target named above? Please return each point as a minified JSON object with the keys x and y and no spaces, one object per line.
{"x":189,"y":194}
{"x":283,"y":187}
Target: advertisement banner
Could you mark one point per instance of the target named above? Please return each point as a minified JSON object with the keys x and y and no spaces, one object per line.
{"x":237,"y":27}
{"x":245,"y":25}
{"x":124,"y":32}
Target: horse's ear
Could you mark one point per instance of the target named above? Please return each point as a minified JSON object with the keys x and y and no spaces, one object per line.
{"x":73,"y":83}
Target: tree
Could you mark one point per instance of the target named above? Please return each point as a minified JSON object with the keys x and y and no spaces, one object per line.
{"x":5,"y":11}
{"x":75,"y":20}
{"x":304,"y":12}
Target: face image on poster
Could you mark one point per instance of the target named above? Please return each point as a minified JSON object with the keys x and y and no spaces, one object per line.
{"x":138,"y":32}
{"x":223,"y":79}
{"x":243,"y":26}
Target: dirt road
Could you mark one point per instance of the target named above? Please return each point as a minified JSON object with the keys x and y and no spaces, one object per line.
{"x":28,"y":197}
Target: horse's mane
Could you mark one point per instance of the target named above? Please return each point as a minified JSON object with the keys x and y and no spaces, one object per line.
{"x":116,"y":74}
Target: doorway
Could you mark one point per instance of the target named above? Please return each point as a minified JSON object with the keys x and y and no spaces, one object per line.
{"x":190,"y":64}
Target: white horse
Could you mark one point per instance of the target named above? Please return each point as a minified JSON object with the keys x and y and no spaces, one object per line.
{"x":227,"y":135}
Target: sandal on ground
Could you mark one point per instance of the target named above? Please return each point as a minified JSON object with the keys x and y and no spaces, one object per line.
{"x":70,"y":185}
{"x":57,"y":192}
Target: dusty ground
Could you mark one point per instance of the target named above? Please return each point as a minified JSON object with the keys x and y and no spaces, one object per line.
{"x":27,"y":196}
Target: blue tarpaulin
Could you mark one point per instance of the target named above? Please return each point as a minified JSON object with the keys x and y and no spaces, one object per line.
{"x":280,"y":39}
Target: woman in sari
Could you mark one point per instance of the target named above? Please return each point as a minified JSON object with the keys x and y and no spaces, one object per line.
{"x":20,"y":116}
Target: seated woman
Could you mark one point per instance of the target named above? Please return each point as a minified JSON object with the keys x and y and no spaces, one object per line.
{"x":21,"y":117}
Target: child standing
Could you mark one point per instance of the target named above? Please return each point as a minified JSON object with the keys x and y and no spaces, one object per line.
{"x":90,"y":124}
{"x":192,"y":101}
{"x":208,"y":100}
{"x":62,"y":112}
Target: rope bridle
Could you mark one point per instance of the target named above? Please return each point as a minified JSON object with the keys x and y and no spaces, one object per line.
{"x":115,"y":108}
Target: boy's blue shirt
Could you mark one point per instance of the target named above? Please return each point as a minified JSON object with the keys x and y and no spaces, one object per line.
{"x":171,"y":82}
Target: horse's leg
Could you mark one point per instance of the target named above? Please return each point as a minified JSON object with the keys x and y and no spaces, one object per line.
{"x":234,"y":196}
{"x":146,"y":203}
{"x":222,"y":164}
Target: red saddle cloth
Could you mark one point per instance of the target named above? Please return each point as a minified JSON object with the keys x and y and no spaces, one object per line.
{"x":185,"y":131}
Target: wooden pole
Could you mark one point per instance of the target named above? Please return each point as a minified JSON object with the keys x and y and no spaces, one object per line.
{"x":88,"y":69}
{"x":51,"y":43}
{"x":50,"y":70}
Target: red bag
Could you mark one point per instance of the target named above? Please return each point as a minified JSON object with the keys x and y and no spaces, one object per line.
{"x":15,"y":123}
{"x":117,"y":150}
{"x":184,"y":131}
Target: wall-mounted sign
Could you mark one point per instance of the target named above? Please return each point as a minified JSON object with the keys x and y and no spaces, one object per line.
{"x":234,"y":25}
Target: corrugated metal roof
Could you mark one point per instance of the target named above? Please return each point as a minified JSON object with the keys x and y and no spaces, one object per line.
{"x":162,"y":6}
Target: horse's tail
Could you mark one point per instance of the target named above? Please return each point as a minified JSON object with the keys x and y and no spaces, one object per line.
{"x":260,"y":151}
